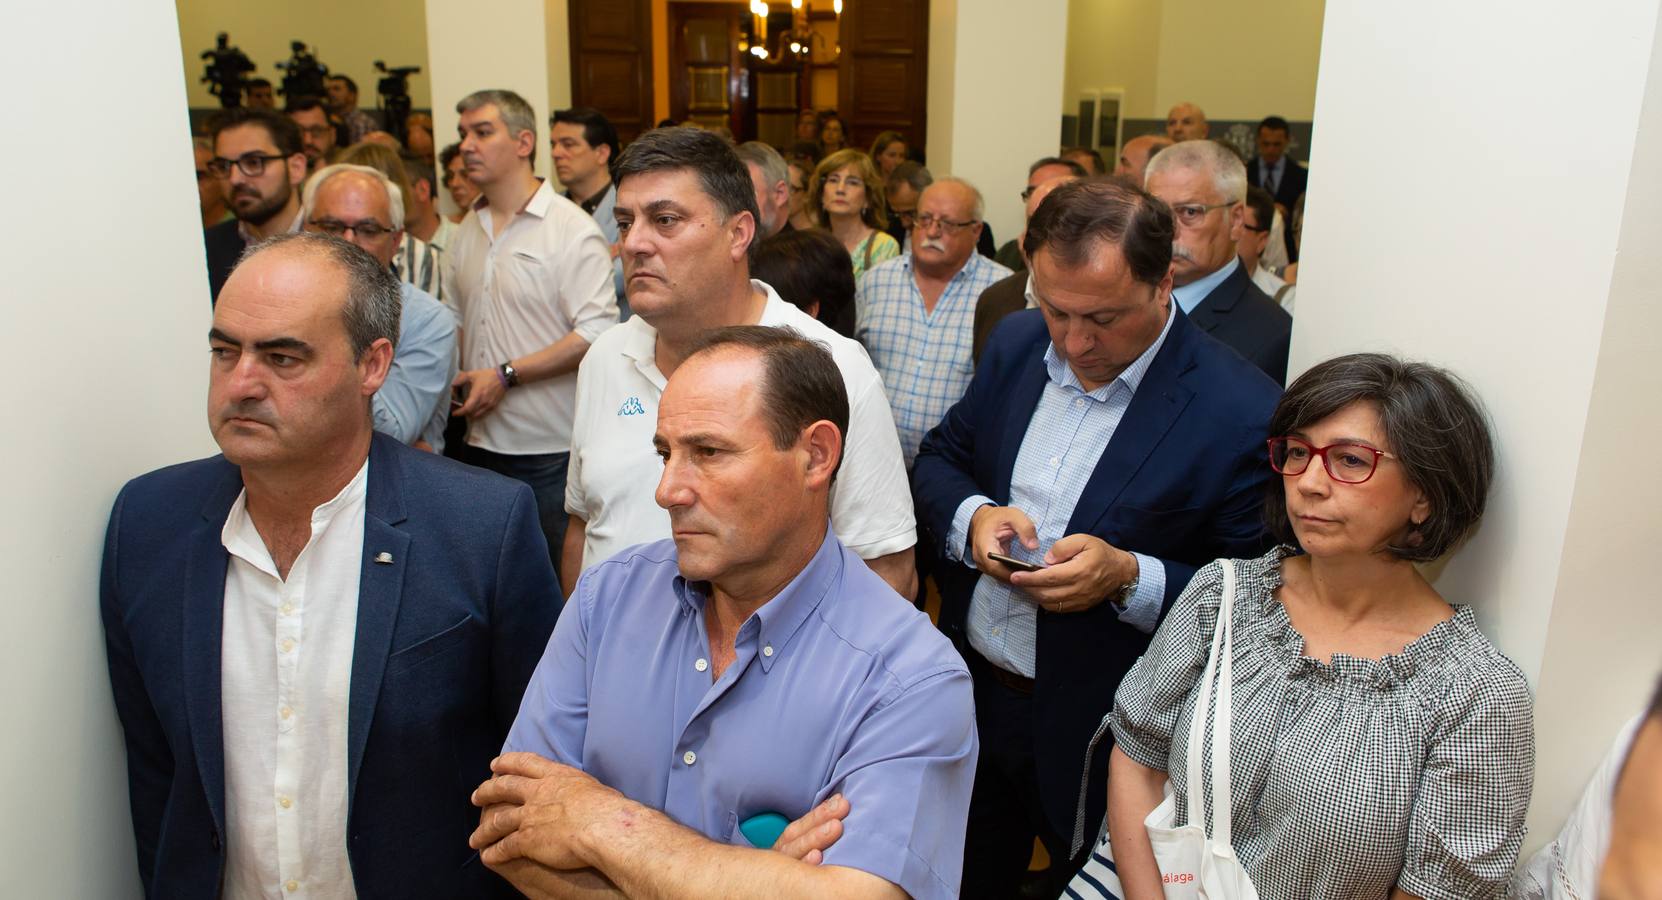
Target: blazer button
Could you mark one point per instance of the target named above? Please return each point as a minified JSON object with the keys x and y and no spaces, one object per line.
{"x":215,"y":841}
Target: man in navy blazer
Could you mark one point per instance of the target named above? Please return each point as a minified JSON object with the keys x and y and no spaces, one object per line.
{"x":318,"y":640}
{"x":1107,"y":440}
{"x":1205,"y":185}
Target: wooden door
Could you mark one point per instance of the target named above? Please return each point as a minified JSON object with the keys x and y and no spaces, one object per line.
{"x":709,"y":83}
{"x":883,"y":84}
{"x":611,"y":61}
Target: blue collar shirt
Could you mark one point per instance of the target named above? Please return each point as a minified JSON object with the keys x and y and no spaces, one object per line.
{"x":1189,"y":295}
{"x":838,"y":685}
{"x":1065,"y":439}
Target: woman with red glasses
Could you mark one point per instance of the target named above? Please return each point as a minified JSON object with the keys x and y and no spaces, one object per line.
{"x":1380,"y":745}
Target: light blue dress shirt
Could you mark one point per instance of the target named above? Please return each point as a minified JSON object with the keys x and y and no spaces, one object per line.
{"x":414,"y":401}
{"x":1065,"y":439}
{"x":923,"y":356}
{"x":1189,"y":295}
{"x":838,"y":685}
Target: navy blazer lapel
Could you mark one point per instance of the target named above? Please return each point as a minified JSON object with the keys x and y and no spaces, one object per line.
{"x":1023,"y":400}
{"x":202,"y":639}
{"x":1159,"y":400}
{"x":380,"y":589}
{"x":1207,"y":314}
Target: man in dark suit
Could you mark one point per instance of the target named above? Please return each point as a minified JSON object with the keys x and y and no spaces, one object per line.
{"x":318,"y":640}
{"x":1274,"y":171}
{"x":1205,"y":185}
{"x":258,"y":157}
{"x":1109,"y":442}
{"x":1009,"y":294}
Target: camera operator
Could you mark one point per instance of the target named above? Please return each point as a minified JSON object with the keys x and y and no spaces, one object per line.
{"x":341,"y":96}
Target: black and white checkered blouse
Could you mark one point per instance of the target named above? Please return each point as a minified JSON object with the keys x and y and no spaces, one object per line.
{"x":1350,"y":778}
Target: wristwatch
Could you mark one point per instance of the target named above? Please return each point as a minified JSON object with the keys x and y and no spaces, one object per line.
{"x":509,"y":376}
{"x":1121,"y":597}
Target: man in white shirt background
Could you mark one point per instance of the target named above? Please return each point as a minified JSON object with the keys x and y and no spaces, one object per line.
{"x":687,"y":220}
{"x":532,"y":276}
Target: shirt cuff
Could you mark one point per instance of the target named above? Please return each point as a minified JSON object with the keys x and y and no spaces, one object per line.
{"x":957,"y":538}
{"x":1142,"y":611}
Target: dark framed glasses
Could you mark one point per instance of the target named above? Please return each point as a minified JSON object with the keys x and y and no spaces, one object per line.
{"x":251,"y":164}
{"x":1348,"y":463}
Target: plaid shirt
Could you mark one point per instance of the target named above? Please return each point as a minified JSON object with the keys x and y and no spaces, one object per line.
{"x":924,"y":357}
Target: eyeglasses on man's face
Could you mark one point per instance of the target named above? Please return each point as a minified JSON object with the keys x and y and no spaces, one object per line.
{"x":250,"y":164}
{"x":928,"y":222}
{"x":1192,"y":214}
{"x":1349,"y":463}
{"x":368,"y":229}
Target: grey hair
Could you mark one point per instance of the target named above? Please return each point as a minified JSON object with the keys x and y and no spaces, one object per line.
{"x":980,"y":203}
{"x":912,"y":174}
{"x":395,"y":197}
{"x":1227,"y":170}
{"x":517,"y":115}
{"x":1434,"y":426}
{"x":765,"y":158}
{"x":374,"y":301}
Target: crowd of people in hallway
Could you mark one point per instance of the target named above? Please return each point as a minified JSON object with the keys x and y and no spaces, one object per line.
{"x":580,"y":544}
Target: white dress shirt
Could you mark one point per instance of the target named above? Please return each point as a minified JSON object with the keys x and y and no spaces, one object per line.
{"x":285,"y":673}
{"x":548,"y":274}
{"x":614,"y":468}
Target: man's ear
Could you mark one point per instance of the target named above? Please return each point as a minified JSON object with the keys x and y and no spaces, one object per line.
{"x":824,"y":445}
{"x":374,"y":365}
{"x":744,"y":234}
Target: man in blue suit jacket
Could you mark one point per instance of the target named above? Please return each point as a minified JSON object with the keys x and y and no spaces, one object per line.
{"x":319,"y":639}
{"x":1107,"y":440}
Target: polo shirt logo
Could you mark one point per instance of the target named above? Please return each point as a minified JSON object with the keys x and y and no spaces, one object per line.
{"x":632,"y":407}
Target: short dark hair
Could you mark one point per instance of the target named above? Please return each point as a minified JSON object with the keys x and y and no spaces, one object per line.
{"x":801,"y":383}
{"x":1073,"y":168}
{"x":257,"y":82}
{"x":350,"y":84}
{"x":1434,"y":424}
{"x":808,"y":266}
{"x":374,"y":301}
{"x":597,"y":129}
{"x":450,"y":152}
{"x":1262,"y":205}
{"x":1274,"y":123}
{"x":912,"y":174}
{"x":1099,"y":167}
{"x":1079,"y":215}
{"x":418,"y":168}
{"x":720,"y":172}
{"x":285,"y":135}
{"x":303,"y":103}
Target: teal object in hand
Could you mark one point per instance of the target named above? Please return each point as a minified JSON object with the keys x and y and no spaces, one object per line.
{"x":763,"y":829}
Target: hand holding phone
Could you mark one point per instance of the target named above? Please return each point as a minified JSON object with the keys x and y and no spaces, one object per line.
{"x":1014,"y":564}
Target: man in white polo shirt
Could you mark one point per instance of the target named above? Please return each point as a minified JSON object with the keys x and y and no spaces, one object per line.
{"x":686,"y":214}
{"x":532,"y":277}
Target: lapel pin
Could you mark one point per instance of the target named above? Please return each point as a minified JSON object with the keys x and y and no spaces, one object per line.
{"x":384,"y":558}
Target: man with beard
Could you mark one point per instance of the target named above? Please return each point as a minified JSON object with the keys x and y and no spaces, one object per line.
{"x":257,"y":154}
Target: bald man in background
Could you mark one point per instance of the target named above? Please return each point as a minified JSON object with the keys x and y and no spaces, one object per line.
{"x":1136,"y":153}
{"x":1186,"y":122}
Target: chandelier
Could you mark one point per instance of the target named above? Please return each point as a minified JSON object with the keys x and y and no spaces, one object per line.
{"x":795,"y":42}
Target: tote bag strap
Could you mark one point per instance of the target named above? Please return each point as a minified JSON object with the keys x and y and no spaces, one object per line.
{"x":1203,"y":704}
{"x":1222,"y":809}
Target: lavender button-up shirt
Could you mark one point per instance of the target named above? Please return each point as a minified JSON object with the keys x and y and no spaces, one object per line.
{"x":838,"y":686}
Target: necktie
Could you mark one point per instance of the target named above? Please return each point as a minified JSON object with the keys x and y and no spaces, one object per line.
{"x":1269,"y":180}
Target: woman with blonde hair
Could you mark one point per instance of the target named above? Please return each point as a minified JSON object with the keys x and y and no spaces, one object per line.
{"x":847,"y":200}
{"x":888,"y":151}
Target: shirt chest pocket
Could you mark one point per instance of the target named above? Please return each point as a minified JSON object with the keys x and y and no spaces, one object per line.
{"x":527,"y":275}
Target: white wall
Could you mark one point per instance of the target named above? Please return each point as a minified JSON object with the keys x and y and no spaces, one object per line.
{"x":993,"y":112}
{"x":106,"y":303}
{"x":1527,"y":265}
{"x":347,"y":37}
{"x":1242,"y":60}
{"x":471,"y":49}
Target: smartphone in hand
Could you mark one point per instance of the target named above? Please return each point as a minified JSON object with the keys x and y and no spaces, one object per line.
{"x":458,"y":394}
{"x":1013,"y":563}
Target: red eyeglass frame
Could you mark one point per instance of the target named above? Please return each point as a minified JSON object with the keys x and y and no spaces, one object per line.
{"x":1322,"y":452}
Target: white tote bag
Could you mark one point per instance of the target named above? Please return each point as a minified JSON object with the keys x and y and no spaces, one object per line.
{"x":1192,"y":865}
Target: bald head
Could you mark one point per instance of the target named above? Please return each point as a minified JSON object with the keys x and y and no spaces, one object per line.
{"x":1137,"y":152}
{"x":1186,"y":122}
